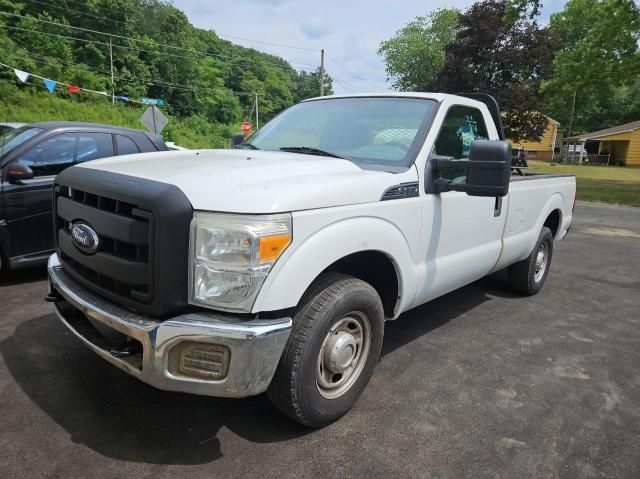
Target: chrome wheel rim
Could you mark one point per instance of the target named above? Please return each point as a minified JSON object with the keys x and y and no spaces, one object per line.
{"x":541,"y":262}
{"x":343,"y":355}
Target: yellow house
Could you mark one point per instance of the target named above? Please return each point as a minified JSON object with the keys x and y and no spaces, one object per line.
{"x":543,"y":149}
{"x":620,"y":145}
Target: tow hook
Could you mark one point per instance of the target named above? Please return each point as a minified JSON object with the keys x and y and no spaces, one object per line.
{"x":126,"y":350}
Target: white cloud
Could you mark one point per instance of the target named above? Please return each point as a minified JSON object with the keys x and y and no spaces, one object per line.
{"x":349,"y":31}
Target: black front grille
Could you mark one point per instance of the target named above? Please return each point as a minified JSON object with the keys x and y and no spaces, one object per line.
{"x":143,"y":231}
{"x":122,"y":264}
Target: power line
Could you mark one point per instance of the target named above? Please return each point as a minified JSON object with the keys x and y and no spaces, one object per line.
{"x":356,"y":77}
{"x":218,"y":34}
{"x":131,"y":76}
{"x":102,"y":93}
{"x":221,"y":35}
{"x":267,"y":43}
{"x":60,"y":7}
{"x":350,"y":89}
{"x":88,"y":30}
{"x":342,"y":81}
{"x":95,"y":6}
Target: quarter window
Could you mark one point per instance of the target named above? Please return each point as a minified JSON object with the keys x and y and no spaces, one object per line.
{"x":125,"y":145}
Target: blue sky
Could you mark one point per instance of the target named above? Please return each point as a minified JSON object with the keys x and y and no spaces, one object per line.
{"x":349,"y":31}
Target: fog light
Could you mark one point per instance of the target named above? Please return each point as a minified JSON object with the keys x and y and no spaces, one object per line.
{"x":200,"y":360}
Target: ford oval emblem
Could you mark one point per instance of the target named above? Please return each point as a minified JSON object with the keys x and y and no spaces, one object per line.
{"x":85,"y":238}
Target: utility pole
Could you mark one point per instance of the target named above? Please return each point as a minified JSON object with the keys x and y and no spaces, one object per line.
{"x":257,"y":116}
{"x":322,"y":72}
{"x":573,"y":109}
{"x":113,"y":87}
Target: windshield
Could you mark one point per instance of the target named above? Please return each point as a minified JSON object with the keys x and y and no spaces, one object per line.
{"x":384,"y":131}
{"x":13,"y":138}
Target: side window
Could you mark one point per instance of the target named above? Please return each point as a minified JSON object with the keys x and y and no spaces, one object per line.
{"x":92,"y":146}
{"x":461,"y":127}
{"x":51,"y":156}
{"x":125,"y":145}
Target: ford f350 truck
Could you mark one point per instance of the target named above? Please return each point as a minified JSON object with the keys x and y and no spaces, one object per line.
{"x":273,"y":266}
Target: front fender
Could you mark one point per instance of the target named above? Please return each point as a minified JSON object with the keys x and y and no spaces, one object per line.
{"x":307,"y":257}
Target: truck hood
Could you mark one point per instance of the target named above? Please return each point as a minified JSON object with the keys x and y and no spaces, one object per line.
{"x":252,"y":181}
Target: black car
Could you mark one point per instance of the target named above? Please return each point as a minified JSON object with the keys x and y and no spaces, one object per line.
{"x":30,"y":157}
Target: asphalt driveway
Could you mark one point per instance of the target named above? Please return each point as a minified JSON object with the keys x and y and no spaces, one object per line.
{"x":479,"y":383}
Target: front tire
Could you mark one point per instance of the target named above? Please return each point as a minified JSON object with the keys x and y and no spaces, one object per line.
{"x":333,"y":348}
{"x":528,"y":276}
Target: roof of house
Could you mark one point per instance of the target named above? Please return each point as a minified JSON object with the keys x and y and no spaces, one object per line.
{"x":634,"y":125}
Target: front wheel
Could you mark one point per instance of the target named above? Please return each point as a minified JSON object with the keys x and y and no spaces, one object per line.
{"x":527,"y":276}
{"x":333,"y":348}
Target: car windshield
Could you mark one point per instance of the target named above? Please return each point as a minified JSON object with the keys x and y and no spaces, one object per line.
{"x":382,"y":131}
{"x":14,"y":138}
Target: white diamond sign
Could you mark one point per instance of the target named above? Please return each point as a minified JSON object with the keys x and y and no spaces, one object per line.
{"x":153,"y":119}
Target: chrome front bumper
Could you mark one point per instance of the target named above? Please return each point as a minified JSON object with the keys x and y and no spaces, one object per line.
{"x":255,"y":345}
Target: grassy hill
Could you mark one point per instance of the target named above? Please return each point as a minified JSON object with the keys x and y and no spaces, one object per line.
{"x":27,"y":106}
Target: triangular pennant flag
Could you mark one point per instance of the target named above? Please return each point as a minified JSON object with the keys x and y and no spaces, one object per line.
{"x":73,"y":88}
{"x":23,"y":76}
{"x":50,"y":84}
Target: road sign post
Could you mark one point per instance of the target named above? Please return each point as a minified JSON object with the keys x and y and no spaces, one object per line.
{"x":153,"y":119}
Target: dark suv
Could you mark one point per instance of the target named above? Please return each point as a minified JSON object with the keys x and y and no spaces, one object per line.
{"x":30,"y":157}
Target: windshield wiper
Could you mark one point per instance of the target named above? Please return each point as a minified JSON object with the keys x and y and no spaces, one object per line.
{"x":247,"y":146}
{"x":310,"y":151}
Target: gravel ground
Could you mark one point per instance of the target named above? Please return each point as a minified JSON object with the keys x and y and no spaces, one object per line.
{"x":479,"y":383}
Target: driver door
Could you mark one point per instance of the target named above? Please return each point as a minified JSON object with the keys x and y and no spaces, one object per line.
{"x":462,"y":235}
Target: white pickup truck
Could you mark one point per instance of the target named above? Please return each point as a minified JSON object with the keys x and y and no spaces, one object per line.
{"x":273,"y":266}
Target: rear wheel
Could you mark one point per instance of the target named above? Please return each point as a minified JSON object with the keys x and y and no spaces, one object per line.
{"x":333,"y":348}
{"x":528,"y":276}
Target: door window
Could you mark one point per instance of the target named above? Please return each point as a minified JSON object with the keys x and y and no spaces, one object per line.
{"x":462,"y":126}
{"x":51,"y":156}
{"x":125,"y":145}
{"x":54,"y":154}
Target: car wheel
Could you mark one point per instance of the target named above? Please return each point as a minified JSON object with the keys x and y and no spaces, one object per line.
{"x":528,"y":276}
{"x":331,"y":352}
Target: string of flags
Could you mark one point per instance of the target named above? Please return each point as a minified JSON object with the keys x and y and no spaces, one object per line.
{"x":51,"y":85}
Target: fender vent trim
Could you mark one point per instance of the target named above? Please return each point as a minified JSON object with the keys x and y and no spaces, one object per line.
{"x":401,"y":191}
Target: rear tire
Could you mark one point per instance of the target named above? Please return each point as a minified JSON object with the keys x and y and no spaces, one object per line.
{"x":332,"y":350}
{"x":528,"y":276}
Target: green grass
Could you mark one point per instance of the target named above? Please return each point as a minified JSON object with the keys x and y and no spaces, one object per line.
{"x":26,"y":106}
{"x":609,"y":184}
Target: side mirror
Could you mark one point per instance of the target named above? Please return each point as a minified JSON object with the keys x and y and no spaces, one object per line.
{"x":237,"y":139}
{"x":17,"y":171}
{"x":488,"y":170}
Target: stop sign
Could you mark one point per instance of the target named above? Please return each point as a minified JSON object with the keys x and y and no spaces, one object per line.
{"x":246,"y":126}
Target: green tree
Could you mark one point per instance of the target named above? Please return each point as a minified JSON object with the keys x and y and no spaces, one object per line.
{"x":500,"y":49}
{"x":307,"y":85}
{"x":598,"y":61}
{"x":156,"y":53}
{"x":415,"y":55}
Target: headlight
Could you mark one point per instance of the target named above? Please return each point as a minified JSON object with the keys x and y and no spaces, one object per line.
{"x":231,"y":256}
